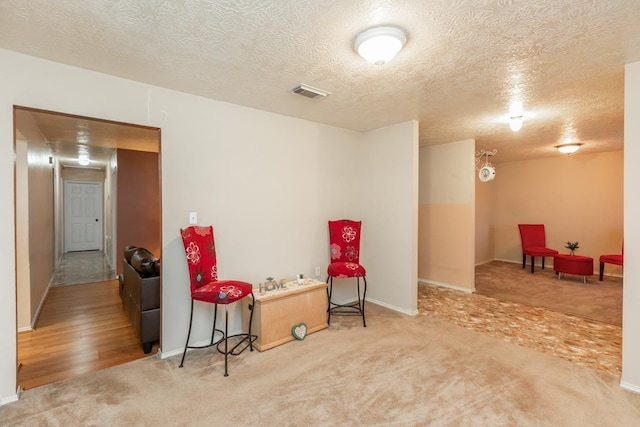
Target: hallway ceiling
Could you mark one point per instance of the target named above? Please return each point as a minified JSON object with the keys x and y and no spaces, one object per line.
{"x":464,"y":64}
{"x":67,"y":135}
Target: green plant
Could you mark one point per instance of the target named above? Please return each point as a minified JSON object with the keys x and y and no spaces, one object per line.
{"x":572,"y":246}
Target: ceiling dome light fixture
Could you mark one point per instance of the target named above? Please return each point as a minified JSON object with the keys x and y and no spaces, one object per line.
{"x":380,"y":45}
{"x":83,"y":160}
{"x":568,"y":148}
{"x":515,"y":123}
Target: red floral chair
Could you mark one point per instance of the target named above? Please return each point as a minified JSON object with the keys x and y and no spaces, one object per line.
{"x":344,"y":237}
{"x":203,"y":271}
{"x":617,"y":259}
{"x":534,"y":243}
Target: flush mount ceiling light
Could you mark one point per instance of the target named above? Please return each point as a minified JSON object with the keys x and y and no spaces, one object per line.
{"x":83,"y":160}
{"x":568,"y":148}
{"x":380,"y":45}
{"x":515,"y":123}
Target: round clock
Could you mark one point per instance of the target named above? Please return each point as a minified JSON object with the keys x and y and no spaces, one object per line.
{"x":487,"y":173}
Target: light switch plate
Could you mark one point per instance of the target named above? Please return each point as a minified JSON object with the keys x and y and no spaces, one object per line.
{"x":193,"y":218}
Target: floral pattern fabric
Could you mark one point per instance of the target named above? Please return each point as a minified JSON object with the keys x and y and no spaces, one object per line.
{"x":344,"y":239}
{"x":200,"y":252}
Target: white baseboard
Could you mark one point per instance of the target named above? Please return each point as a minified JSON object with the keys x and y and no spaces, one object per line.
{"x":447,"y":285}
{"x":170,"y":353}
{"x":36,"y":315}
{"x":631,"y":387}
{"x":392,"y":307}
{"x":9,"y":399}
{"x":510,"y":261}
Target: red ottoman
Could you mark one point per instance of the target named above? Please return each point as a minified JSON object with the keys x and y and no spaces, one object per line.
{"x":573,"y":264}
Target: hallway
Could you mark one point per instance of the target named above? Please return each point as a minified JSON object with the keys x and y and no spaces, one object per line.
{"x":83,"y":267}
{"x":82,"y":328}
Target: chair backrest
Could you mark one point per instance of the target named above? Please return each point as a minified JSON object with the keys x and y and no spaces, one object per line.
{"x":200,"y":251}
{"x":344,"y":238}
{"x":532,"y":235}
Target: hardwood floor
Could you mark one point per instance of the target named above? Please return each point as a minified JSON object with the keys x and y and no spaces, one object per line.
{"x":82,"y":328}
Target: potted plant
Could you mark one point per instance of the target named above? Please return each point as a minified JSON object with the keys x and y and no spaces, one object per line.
{"x":300,"y":278}
{"x":572,"y":246}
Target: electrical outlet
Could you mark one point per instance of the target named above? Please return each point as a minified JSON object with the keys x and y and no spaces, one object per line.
{"x":317,"y":271}
{"x":193,"y":218}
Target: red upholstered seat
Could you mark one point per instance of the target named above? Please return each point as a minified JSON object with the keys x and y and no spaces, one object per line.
{"x":616,"y":259}
{"x":200,"y":252}
{"x":344,"y":240}
{"x":534,"y":243}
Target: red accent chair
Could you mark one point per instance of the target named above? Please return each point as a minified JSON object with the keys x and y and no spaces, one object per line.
{"x":203,"y":271}
{"x":344,"y":238}
{"x":617,"y":259}
{"x":534,"y":243}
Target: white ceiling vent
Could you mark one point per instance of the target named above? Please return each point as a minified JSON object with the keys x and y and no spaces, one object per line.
{"x":310,"y":92}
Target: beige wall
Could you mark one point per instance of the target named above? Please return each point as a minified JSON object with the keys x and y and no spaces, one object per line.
{"x":41,"y":222}
{"x":23,"y":275}
{"x":577,"y":197}
{"x":485,"y":241}
{"x":446,"y":224}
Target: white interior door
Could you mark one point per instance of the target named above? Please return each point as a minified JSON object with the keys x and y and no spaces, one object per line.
{"x":82,"y":216}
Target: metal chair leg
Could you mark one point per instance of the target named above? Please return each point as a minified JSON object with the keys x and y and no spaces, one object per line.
{"x":355,"y":308}
{"x":226,"y":338}
{"x":186,"y":345}
{"x":364,"y":296}
{"x":215,"y":315}
{"x":329,"y":290}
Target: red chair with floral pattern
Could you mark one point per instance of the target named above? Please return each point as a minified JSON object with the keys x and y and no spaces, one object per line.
{"x":203,"y":271}
{"x":344,"y":238}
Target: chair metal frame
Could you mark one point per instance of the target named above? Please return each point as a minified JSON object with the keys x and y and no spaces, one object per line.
{"x":355,"y":308}
{"x":215,"y":295}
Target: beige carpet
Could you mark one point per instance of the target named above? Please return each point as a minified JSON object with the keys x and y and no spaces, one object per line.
{"x":399,"y":371}
{"x":595,"y":300}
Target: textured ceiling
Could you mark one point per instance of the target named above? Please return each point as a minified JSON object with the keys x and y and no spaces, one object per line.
{"x":464,"y":64}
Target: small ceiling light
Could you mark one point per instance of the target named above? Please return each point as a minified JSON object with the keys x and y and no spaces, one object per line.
{"x":83,"y":160}
{"x":380,"y":45}
{"x":515,"y":123}
{"x":568,"y":148}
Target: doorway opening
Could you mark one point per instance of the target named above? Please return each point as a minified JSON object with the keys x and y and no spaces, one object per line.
{"x":77,"y":181}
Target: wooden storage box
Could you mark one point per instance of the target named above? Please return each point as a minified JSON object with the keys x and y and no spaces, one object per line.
{"x":277,"y":311}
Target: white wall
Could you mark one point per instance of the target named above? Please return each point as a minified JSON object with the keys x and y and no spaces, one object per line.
{"x":389,"y":209}
{"x":631,"y":288}
{"x":267,"y":183}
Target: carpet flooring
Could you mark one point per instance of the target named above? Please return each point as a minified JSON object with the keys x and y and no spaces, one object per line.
{"x":595,"y":300}
{"x":464,"y":360}
{"x":398,"y":371}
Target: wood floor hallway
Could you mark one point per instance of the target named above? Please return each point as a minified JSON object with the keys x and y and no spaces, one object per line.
{"x":82,"y":328}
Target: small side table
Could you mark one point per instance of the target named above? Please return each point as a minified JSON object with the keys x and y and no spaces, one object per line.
{"x":573,"y":264}
{"x":277,"y":311}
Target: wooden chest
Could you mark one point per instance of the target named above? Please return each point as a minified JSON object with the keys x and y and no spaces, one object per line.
{"x":277,"y":311}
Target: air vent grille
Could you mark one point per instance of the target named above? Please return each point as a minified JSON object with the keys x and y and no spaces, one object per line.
{"x":309,"y":92}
